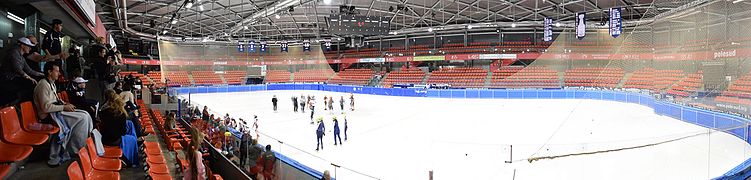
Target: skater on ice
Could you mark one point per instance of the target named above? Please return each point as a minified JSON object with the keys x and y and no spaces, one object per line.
{"x":341,"y":103}
{"x":273,"y":101}
{"x":294,"y":103}
{"x":320,"y":133}
{"x":302,"y":103}
{"x":331,"y":104}
{"x":336,"y":132}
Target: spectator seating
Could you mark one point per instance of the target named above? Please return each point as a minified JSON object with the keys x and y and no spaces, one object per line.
{"x":177,"y":78}
{"x":735,"y":100}
{"x":604,"y":77}
{"x":313,"y":75}
{"x":641,"y":79}
{"x":12,"y":131}
{"x":277,"y":76}
{"x":520,"y":77}
{"x":89,"y":172}
{"x":352,"y":77}
{"x":203,"y":78}
{"x":29,"y":117}
{"x":459,"y":77}
{"x":740,"y":88}
{"x":405,"y":76}
{"x":663,"y":79}
{"x":687,"y":86}
{"x":235,"y":77}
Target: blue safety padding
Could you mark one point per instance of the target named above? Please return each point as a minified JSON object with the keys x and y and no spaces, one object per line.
{"x":472,"y":93}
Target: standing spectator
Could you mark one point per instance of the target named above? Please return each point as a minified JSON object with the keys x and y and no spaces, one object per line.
{"x":244,"y":143}
{"x":320,"y":132}
{"x":345,"y":127}
{"x":302,"y":103}
{"x":77,"y":96}
{"x":52,"y":42}
{"x":294,"y":103}
{"x":196,"y":170}
{"x":75,"y":125}
{"x":269,"y":158}
{"x":72,"y":63}
{"x":341,"y":103}
{"x":205,"y":114}
{"x":336,"y":132}
{"x":325,"y":103}
{"x":255,"y":126}
{"x":254,"y":154}
{"x":16,"y":76}
{"x":326,"y":175}
{"x":273,"y":102}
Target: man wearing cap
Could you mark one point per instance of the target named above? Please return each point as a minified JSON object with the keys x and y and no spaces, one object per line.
{"x":52,"y":42}
{"x":33,"y":57}
{"x":76,"y":93}
{"x":16,"y":76}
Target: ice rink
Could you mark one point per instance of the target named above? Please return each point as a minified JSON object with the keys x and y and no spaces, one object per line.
{"x":406,"y":137}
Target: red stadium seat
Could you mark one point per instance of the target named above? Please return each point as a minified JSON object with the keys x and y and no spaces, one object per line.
{"x":12,"y":152}
{"x":29,"y":116}
{"x":90,"y":172}
{"x":12,"y":131}
{"x":74,"y":171}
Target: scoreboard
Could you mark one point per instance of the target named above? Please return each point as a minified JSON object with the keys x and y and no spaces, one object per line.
{"x":358,"y":25}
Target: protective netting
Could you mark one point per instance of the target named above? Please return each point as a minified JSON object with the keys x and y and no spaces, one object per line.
{"x":695,"y":57}
{"x":215,"y":63}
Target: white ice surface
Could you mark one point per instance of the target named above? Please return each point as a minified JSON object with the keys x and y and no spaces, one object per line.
{"x":405,"y":137}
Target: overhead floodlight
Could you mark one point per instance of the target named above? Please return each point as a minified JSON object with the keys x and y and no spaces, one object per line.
{"x":469,"y":26}
{"x":164,"y":32}
{"x":200,"y":7}
{"x":174,"y":21}
{"x":245,"y":27}
{"x":189,"y":5}
{"x":430,"y":29}
{"x":13,"y":17}
{"x":42,"y":31}
{"x":557,"y":24}
{"x":326,"y":2}
{"x":737,"y":1}
{"x":277,"y":16}
{"x":513,"y":25}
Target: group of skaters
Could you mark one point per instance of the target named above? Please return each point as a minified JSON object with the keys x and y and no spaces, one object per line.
{"x":321,"y":131}
{"x":300,"y":104}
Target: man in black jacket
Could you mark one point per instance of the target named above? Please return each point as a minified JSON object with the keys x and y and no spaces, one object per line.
{"x":76,"y":94}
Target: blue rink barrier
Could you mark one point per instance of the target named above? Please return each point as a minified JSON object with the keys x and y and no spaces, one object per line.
{"x":732,"y":124}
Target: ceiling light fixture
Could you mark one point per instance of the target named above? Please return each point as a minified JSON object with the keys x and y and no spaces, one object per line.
{"x":200,"y":7}
{"x":430,"y":29}
{"x":189,"y":5}
{"x":327,"y":2}
{"x":277,"y":16}
{"x":174,"y":21}
{"x":469,"y":26}
{"x":513,"y":25}
{"x":16,"y":18}
{"x":557,"y":24}
{"x":164,"y":32}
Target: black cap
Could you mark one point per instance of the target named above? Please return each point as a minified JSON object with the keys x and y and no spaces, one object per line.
{"x":56,"y":22}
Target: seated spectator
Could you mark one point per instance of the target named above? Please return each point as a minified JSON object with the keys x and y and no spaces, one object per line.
{"x":196,"y":170}
{"x":76,"y":94}
{"x":75,"y":125}
{"x":116,"y":129}
{"x":16,"y":76}
{"x":113,"y":117}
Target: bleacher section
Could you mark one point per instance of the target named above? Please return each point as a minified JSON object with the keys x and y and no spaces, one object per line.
{"x":277,"y":76}
{"x":144,"y":79}
{"x":206,"y":78}
{"x":313,"y":75}
{"x":740,"y":88}
{"x":663,"y":79}
{"x":641,"y":79}
{"x":593,"y":77}
{"x":687,"y":86}
{"x":235,"y":77}
{"x":459,"y":77}
{"x":519,"y":77}
{"x":352,"y":77}
{"x":406,"y":76}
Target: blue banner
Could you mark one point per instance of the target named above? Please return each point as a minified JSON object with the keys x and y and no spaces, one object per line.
{"x":581,"y":25}
{"x":616,"y":28}
{"x":252,"y":46}
{"x":548,"y":31}
{"x":306,"y":45}
{"x":285,"y":46}
{"x":240,"y":47}
{"x":264,"y":46}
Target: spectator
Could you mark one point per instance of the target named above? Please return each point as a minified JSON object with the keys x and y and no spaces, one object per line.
{"x":326,"y":175}
{"x":33,"y":57}
{"x":16,"y":76}
{"x":52,"y":42}
{"x":254,"y":154}
{"x":73,"y":65}
{"x":269,"y":159}
{"x":205,"y":114}
{"x":75,"y":125}
{"x":273,"y":102}
{"x":196,"y":170}
{"x":336,"y":132}
{"x":126,"y":94}
{"x":113,"y":117}
{"x":76,"y":94}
